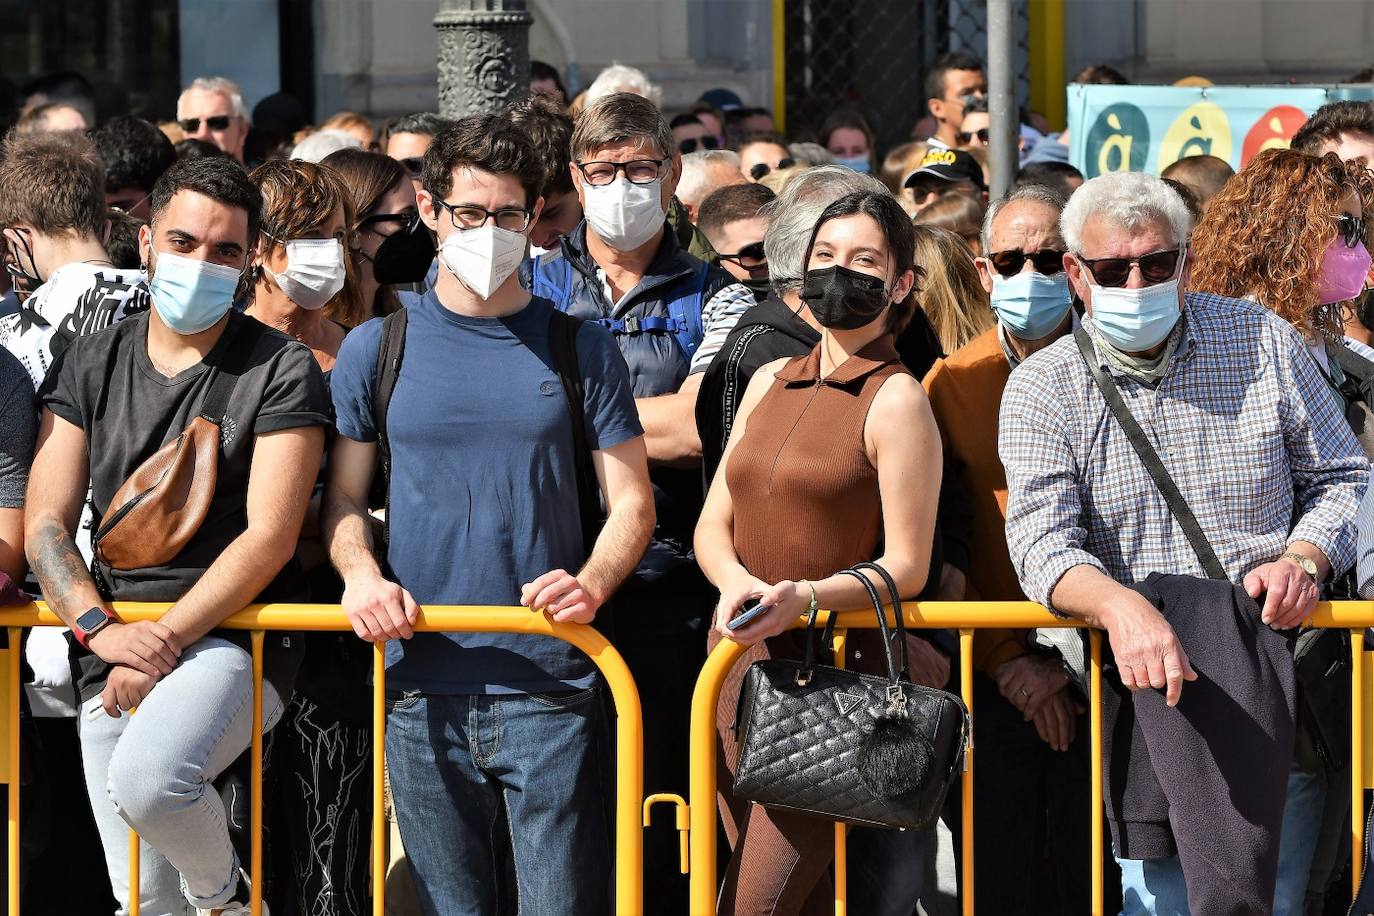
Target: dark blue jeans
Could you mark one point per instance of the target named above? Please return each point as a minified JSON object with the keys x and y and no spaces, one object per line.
{"x":463,"y":766}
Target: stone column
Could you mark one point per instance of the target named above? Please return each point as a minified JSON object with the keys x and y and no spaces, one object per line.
{"x":484,"y":55}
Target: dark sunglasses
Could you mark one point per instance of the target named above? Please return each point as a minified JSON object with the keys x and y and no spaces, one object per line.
{"x":759,"y":169}
{"x":1009,"y":263}
{"x":415,"y":165}
{"x":218,"y":122}
{"x":1155,"y":267}
{"x":967,"y":138}
{"x":1352,"y":229}
{"x":749,"y":256}
{"x":691,"y":144}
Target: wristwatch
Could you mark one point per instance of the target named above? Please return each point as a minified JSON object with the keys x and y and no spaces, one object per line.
{"x":90,"y":623}
{"x":1307,"y":565}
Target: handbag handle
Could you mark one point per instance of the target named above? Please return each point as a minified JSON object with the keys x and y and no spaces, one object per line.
{"x":892,"y":678}
{"x":900,"y":624}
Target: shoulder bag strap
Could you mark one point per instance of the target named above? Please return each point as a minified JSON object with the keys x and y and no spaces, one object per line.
{"x":389,"y":354}
{"x":563,"y":351}
{"x":1178,"y":506}
{"x":225,"y":373}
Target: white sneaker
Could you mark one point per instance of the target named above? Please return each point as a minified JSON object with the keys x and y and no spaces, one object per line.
{"x":239,"y":906}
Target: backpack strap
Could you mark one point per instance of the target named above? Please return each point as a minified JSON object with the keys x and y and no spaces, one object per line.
{"x":555,"y":282}
{"x":389,"y":355}
{"x":685,"y":311}
{"x":563,"y":352}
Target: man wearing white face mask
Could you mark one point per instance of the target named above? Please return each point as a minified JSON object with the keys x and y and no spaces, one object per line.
{"x":1216,"y":402}
{"x":488,"y":442}
{"x":112,"y":400}
{"x":669,"y":312}
{"x":1032,"y":782}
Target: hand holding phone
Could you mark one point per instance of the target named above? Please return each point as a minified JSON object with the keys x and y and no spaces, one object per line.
{"x":751,"y":610}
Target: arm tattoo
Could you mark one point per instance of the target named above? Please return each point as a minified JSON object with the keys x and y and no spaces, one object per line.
{"x":58,"y":564}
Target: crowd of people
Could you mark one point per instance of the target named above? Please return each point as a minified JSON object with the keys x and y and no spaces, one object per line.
{"x":637,"y":369}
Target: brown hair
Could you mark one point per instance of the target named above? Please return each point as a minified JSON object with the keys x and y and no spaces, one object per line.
{"x":54,"y":182}
{"x":368,"y":177}
{"x":956,"y":212}
{"x":299,"y":198}
{"x":1265,"y":232}
{"x":347,"y":121}
{"x":952,"y":295}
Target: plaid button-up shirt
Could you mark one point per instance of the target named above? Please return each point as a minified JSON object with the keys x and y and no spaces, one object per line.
{"x":1248,"y":429}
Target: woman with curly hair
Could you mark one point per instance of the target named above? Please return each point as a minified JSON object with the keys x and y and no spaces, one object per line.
{"x":1289,"y":232}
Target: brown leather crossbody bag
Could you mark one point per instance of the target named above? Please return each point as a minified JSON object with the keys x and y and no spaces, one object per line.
{"x":159,"y":508}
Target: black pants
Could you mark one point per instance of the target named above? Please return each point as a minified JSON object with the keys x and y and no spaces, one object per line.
{"x":1027,"y":799}
{"x":660,"y":629}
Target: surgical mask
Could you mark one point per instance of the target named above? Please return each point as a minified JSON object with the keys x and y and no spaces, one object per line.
{"x":761,"y":287}
{"x":1030,"y":305}
{"x":1343,"y":272}
{"x":405,"y":256}
{"x":1134,"y":320}
{"x":843,"y":299}
{"x":625,"y":215}
{"x":190,"y":295}
{"x":856,"y":163}
{"x":314,"y":272}
{"x":482,"y":258}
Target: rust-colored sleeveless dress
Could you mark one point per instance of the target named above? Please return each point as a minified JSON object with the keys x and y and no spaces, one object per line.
{"x":806,"y":505}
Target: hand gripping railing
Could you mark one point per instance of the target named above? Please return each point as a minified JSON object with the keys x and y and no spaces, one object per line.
{"x":966,"y":617}
{"x":629,"y":847}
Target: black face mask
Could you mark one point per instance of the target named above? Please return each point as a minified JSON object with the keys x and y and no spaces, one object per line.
{"x":405,"y":256}
{"x":761,"y":287}
{"x":843,"y":299}
{"x":1365,"y":310}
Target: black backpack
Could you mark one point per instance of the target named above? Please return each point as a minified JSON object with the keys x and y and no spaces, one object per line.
{"x":563,"y":351}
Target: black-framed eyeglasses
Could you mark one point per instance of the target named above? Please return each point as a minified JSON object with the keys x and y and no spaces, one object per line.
{"x":749,"y":257}
{"x":966,"y":137}
{"x":691,"y":144}
{"x":415,"y":165}
{"x":760,"y":169}
{"x":470,"y":216}
{"x":218,"y":122}
{"x":1008,"y":263}
{"x":1155,"y":267}
{"x":600,"y":173}
{"x":1352,"y":228}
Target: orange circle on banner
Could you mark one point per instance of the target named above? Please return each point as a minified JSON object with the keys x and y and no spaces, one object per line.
{"x":1274,"y":129}
{"x":1202,"y":130}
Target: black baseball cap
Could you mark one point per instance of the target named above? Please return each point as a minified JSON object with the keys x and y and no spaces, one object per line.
{"x":949,"y":165}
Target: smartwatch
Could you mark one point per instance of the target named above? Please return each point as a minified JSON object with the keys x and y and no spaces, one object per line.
{"x":90,"y":623}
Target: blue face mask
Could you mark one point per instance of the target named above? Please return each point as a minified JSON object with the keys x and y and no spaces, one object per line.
{"x":190,"y":295}
{"x":1135,"y":320}
{"x":1030,"y":305}
{"x":857,"y":163}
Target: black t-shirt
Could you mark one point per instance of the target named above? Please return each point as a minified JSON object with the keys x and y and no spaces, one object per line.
{"x":106,"y":384}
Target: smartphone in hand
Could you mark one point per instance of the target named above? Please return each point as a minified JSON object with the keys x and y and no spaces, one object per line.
{"x":752,"y":610}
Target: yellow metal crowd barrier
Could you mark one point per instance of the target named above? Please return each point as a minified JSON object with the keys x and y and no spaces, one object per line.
{"x":629,"y":840}
{"x":697,"y":819}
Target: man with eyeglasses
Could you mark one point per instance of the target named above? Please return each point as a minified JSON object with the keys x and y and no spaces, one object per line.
{"x":623,"y":268}
{"x":487,"y":449}
{"x":735,"y":221}
{"x":1267,"y":480}
{"x":1032,"y":779}
{"x":691,"y":135}
{"x":211,"y":109}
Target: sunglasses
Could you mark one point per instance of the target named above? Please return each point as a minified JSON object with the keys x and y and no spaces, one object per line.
{"x":759,"y":169}
{"x":1352,"y":229}
{"x":748,"y":257}
{"x":967,"y":138}
{"x":1009,"y":263}
{"x":1155,"y":267}
{"x":218,"y":122}
{"x":692,"y":144}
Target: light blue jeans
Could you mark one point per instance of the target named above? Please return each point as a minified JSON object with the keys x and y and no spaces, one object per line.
{"x":153,"y":771}
{"x":1155,"y":887}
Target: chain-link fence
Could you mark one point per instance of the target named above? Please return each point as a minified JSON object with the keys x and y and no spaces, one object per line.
{"x":871,"y":56}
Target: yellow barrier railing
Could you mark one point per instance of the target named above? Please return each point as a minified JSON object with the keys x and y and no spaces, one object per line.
{"x":965,"y":617}
{"x":629,"y":845}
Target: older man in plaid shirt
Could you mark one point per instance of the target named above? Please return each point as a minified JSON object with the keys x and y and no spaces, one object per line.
{"x":1240,"y":416}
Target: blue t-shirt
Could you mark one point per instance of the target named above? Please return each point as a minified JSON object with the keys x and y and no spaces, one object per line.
{"x":483,"y":486}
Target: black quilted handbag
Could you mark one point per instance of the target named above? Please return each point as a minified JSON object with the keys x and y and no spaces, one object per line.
{"x":862,"y":749}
